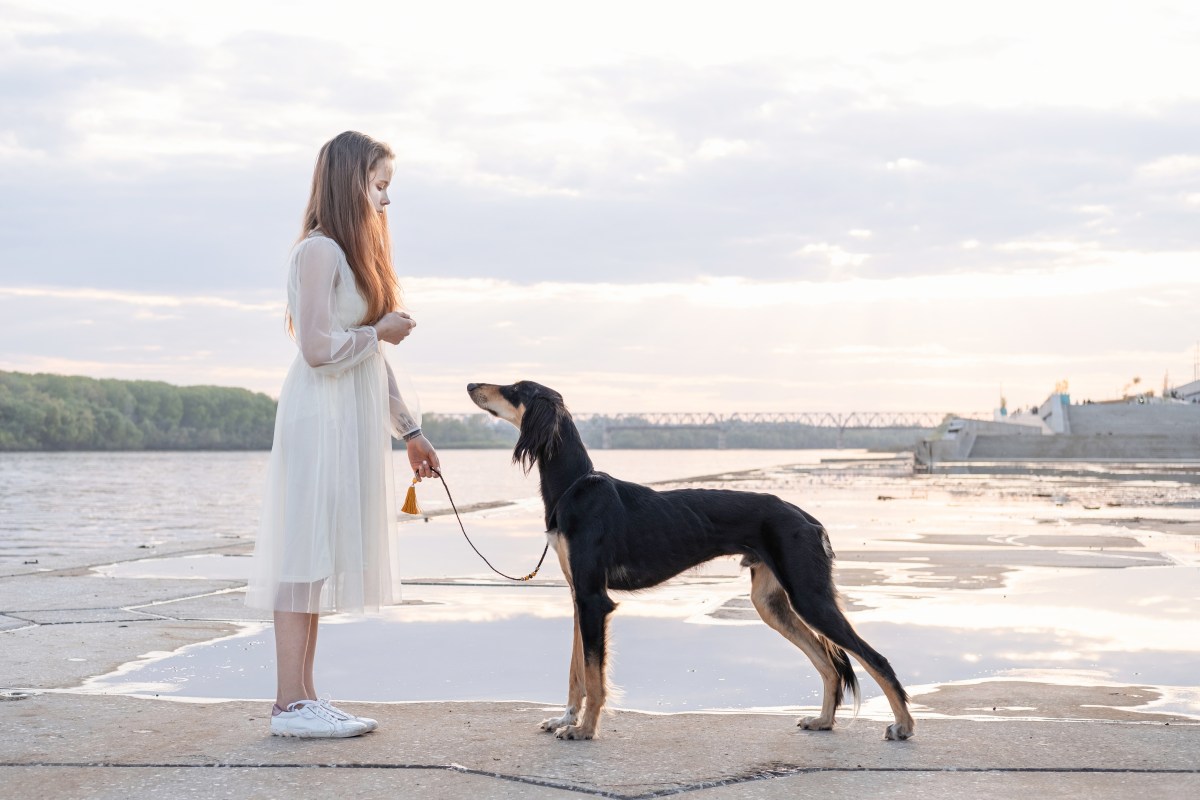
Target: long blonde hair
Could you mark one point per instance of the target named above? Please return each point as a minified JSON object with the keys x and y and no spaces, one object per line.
{"x":340,"y":207}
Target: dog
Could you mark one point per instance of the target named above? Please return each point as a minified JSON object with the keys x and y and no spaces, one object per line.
{"x":611,"y":534}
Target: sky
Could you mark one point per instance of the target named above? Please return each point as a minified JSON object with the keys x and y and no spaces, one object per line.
{"x":650,"y":206}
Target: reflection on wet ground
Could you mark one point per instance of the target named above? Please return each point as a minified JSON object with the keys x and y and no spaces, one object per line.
{"x":957,"y":579}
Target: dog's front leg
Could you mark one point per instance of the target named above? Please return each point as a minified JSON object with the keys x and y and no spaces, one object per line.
{"x":592,"y":609}
{"x":575,"y":683}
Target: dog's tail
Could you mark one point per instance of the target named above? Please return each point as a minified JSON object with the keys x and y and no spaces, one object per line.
{"x":847,"y":680}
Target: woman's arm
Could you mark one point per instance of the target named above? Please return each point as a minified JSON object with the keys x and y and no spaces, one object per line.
{"x":403,"y":424}
{"x":325,"y":346}
{"x":421,"y":456}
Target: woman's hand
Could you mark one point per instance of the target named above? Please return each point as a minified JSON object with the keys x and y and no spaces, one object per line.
{"x":422,"y":457}
{"x":394,"y":326}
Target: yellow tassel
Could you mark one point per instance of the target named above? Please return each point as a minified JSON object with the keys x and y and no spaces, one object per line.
{"x":410,"y":500}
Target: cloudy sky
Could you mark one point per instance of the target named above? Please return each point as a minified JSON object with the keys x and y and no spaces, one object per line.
{"x":648,"y":205}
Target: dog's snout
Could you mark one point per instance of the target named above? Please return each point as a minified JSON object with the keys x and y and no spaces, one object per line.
{"x":472,"y":387}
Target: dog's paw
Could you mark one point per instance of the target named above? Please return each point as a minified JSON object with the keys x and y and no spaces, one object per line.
{"x":815,"y":724}
{"x":574,"y":732}
{"x":897,"y":732}
{"x":569,"y":717}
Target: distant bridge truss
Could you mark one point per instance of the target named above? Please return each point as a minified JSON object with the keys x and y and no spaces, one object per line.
{"x":810,"y":419}
{"x":723,"y":424}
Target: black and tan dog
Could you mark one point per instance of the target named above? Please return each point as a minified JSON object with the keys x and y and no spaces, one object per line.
{"x":611,"y":534}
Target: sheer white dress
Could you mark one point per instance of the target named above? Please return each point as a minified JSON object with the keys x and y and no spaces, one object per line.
{"x":326,"y":538}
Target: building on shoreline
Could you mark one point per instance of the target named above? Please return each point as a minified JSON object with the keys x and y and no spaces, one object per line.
{"x":1139,"y":427}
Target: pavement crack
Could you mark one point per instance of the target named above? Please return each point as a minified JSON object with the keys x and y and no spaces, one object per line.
{"x":594,"y":791}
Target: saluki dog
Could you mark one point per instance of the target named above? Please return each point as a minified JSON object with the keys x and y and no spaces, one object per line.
{"x":612,"y":534}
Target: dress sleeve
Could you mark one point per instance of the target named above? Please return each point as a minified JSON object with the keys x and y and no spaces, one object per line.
{"x":327,"y":347}
{"x":401,"y":418}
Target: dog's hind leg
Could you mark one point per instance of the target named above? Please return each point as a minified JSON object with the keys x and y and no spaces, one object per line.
{"x":904,"y":725}
{"x":835,"y":627}
{"x":813,"y":597}
{"x":773,"y":606}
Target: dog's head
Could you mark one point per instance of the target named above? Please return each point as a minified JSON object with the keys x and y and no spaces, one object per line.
{"x":537,"y":412}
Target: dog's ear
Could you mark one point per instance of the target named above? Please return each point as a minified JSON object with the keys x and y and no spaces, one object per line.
{"x":540,"y":431}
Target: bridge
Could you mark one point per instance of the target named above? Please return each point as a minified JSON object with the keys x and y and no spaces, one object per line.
{"x":722,"y":424}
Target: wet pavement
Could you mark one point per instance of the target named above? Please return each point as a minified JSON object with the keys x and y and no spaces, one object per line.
{"x":1046,"y":625}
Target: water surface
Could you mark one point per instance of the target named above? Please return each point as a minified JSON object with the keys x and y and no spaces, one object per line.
{"x":1083,"y":577}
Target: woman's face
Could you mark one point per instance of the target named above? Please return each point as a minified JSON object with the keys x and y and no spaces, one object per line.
{"x":378,"y":180}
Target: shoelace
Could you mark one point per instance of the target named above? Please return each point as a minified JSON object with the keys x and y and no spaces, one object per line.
{"x":318,"y":710}
{"x":332,"y":709}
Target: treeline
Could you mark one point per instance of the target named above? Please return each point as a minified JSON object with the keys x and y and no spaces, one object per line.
{"x":478,"y":431}
{"x":59,"y":412}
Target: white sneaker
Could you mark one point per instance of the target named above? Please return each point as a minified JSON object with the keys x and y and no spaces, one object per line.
{"x":345,"y":715}
{"x":309,"y":719}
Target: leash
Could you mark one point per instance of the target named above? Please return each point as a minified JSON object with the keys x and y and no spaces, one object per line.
{"x":528,"y":577}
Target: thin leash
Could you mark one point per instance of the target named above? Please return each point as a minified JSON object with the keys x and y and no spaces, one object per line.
{"x":528,"y":577}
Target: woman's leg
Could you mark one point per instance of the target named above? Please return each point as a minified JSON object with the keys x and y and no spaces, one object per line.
{"x":310,"y":656}
{"x":295,"y":644}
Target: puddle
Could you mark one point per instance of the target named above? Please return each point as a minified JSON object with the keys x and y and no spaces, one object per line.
{"x":678,"y":649}
{"x":958,"y":581}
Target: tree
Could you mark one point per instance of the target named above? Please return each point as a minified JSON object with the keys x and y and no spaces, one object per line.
{"x":58,"y":412}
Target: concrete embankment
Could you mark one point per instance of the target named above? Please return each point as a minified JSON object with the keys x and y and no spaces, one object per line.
{"x":1088,"y":432}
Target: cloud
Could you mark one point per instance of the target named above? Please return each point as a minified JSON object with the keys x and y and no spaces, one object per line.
{"x":714,"y":197}
{"x":904,"y":165}
{"x":837,"y":257}
{"x":1172,"y":167}
{"x":144,"y":301}
{"x":1059,"y":247}
{"x":713,"y":149}
{"x":906,"y":343}
{"x":192,"y":175}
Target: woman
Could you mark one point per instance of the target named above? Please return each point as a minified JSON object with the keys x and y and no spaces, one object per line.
{"x":326,"y":533}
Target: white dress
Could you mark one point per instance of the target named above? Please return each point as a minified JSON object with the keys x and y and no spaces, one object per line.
{"x":326,"y":538}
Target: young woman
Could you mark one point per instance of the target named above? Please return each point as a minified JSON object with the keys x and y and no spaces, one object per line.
{"x":326,"y":533}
